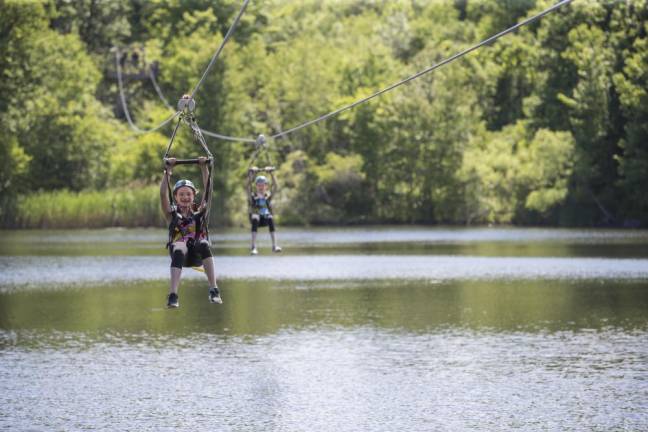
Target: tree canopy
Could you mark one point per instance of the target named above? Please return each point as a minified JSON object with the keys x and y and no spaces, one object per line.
{"x":545,"y":126}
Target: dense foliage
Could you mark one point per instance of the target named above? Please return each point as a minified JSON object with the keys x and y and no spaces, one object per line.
{"x":545,"y":126}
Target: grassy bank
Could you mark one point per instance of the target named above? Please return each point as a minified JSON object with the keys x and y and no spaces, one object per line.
{"x":125,"y":207}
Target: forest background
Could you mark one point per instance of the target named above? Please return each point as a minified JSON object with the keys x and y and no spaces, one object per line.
{"x":546,"y":126}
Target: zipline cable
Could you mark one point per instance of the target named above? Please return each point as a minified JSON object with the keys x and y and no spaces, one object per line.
{"x":423,"y":72}
{"x":220,"y":48}
{"x":227,"y":137}
{"x":122,"y":97}
{"x":164,"y":100}
{"x":158,"y":90}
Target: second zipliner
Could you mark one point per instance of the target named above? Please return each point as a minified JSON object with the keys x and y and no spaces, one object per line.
{"x":260,"y":193}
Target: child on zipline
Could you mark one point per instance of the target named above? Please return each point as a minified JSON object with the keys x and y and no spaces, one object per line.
{"x":260,"y":205}
{"x":188,"y":244}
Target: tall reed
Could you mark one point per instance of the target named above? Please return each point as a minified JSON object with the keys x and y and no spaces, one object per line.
{"x":125,"y":207}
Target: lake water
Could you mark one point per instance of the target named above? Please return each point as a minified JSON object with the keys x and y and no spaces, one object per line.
{"x":364,"y":329}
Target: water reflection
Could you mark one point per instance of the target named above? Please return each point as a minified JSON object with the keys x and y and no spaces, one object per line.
{"x":511,"y":242}
{"x":262,"y":307}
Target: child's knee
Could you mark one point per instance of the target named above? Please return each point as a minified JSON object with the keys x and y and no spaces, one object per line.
{"x":180,"y":246}
{"x":178,"y":254}
{"x":203,"y":249}
{"x":178,"y":258}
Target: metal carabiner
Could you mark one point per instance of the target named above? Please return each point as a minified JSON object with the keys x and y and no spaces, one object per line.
{"x":261,"y":141}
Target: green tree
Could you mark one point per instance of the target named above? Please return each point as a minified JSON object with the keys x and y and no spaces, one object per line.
{"x":589,"y":106}
{"x":489,"y":174}
{"x":50,"y":110}
{"x":99,"y":24}
{"x":546,"y":164}
{"x":632,"y":85}
{"x":19,"y":23}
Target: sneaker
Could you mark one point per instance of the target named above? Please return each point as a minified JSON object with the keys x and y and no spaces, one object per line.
{"x":172,"y":301}
{"x":254,"y":251}
{"x":214,"y":296}
{"x":276,"y":249}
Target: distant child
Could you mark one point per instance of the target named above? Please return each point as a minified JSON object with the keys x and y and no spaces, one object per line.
{"x":260,"y":205}
{"x":188,"y":244}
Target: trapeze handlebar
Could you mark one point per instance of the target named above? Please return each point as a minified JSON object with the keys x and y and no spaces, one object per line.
{"x":195,"y":161}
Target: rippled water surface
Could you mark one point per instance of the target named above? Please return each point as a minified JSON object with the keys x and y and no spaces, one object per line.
{"x":349,"y":330}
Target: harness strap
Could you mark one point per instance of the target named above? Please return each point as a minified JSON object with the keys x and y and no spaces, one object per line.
{"x":175,"y":225}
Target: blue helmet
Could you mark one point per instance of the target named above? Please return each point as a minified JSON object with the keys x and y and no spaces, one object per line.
{"x":183,"y":183}
{"x":261,"y":180}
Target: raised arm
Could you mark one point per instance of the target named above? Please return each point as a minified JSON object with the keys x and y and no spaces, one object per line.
{"x":251,"y":174}
{"x":164,"y":189}
{"x":207,"y":186}
{"x":273,"y":186}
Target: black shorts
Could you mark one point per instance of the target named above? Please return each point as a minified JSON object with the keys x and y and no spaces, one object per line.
{"x":264,"y":221}
{"x":195,"y":254}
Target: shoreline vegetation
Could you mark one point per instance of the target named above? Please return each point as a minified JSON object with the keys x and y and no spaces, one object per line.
{"x":140,"y":208}
{"x":133,"y":207}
